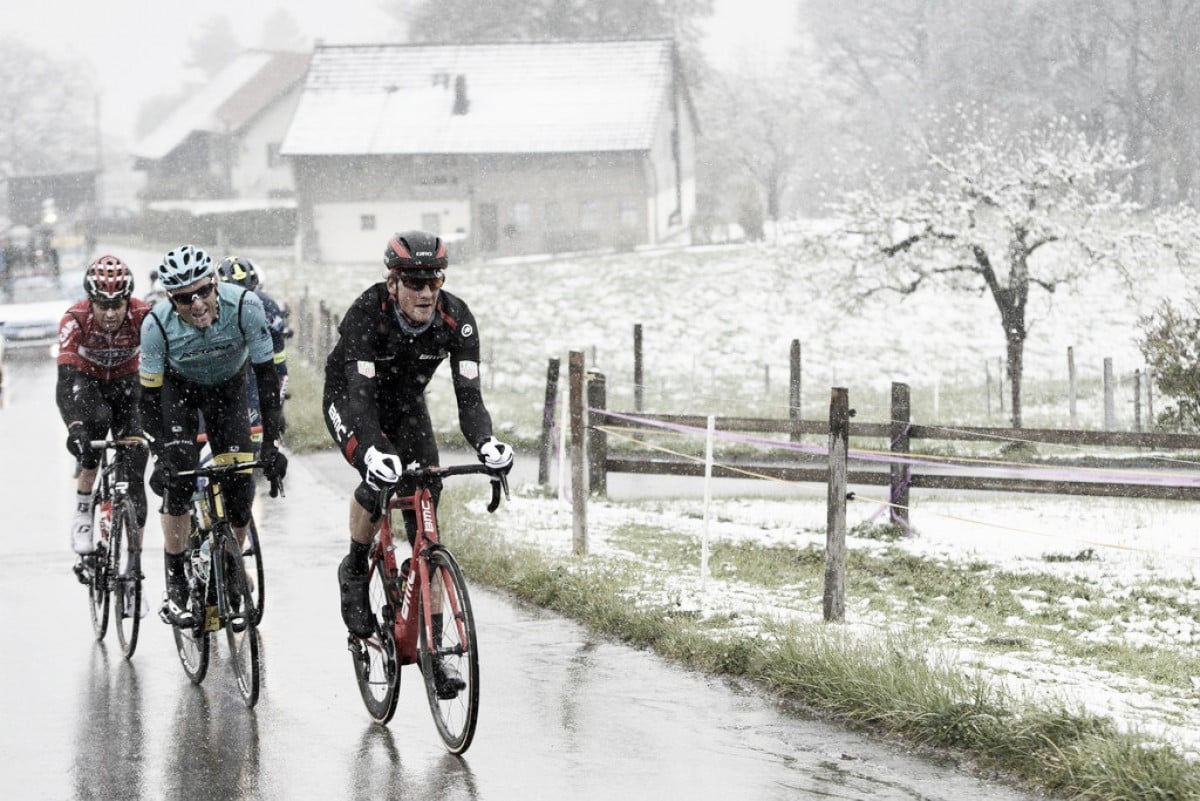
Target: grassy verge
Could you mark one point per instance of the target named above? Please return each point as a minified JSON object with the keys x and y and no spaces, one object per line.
{"x":892,"y":684}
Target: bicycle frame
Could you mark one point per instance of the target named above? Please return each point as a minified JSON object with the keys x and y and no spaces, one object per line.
{"x":405,"y":627}
{"x":208,"y":516}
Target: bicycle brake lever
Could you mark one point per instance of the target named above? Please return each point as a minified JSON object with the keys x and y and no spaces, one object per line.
{"x":277,"y":488}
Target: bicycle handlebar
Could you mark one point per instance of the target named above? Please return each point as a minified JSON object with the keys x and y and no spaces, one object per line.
{"x":133,"y":442}
{"x":499,"y":479}
{"x":217,"y":470}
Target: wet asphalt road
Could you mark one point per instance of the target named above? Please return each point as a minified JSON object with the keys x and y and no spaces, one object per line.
{"x":563,"y":714}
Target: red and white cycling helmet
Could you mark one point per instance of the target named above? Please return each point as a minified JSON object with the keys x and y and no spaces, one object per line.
{"x":108,"y":278}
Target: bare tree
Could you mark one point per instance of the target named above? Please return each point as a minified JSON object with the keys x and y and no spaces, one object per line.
{"x":1005,"y":215}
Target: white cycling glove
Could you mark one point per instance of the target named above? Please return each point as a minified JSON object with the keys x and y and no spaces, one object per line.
{"x":383,"y":469}
{"x":495,"y":454}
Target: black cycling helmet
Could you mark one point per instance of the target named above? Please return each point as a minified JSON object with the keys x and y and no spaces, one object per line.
{"x":415,"y":250}
{"x":108,"y":278}
{"x":238,"y":270}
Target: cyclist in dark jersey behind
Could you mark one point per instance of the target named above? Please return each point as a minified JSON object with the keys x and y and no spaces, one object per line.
{"x":241,"y":271}
{"x":97,"y":389}
{"x":195,"y":345}
{"x":392,"y":339}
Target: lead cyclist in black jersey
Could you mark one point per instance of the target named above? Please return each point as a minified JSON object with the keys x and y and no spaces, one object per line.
{"x":392,"y":339}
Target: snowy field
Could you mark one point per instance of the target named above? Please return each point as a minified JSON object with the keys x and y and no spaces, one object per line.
{"x":1137,"y":589}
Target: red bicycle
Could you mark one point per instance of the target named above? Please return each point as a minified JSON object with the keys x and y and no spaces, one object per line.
{"x":422,"y":614}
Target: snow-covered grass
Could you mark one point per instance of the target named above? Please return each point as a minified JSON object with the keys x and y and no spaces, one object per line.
{"x":718,"y":322}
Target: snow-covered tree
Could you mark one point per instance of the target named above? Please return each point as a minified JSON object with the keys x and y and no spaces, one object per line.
{"x":1006,"y":215}
{"x":47,"y":119}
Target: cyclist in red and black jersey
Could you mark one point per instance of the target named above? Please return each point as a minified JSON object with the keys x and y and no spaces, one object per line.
{"x":392,"y":339}
{"x":99,"y":340}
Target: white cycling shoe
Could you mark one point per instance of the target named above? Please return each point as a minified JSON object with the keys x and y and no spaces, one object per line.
{"x":81,"y":535}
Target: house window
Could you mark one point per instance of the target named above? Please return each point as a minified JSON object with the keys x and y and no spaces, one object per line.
{"x":366,"y":222}
{"x":629,"y":214}
{"x":520,"y":215}
{"x":589,"y":215}
{"x":273,"y":158}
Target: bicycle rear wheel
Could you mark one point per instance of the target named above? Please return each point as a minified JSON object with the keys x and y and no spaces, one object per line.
{"x":192,"y":642}
{"x":241,"y":630}
{"x":252,"y":557}
{"x":125,"y":598}
{"x":376,"y":665}
{"x":454,"y":714}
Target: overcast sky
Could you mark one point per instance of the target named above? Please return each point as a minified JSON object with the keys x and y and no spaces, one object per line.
{"x":136,"y":48}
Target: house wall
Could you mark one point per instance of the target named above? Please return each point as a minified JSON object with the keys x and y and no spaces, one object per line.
{"x":496,"y":205}
{"x":258,"y":171}
{"x":672,"y":166}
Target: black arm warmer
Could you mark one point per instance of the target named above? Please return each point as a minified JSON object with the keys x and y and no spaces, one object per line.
{"x":268,"y":400}
{"x":64,"y":394}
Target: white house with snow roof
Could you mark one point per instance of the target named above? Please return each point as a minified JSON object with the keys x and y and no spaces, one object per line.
{"x":222,"y":144}
{"x":504,"y":148}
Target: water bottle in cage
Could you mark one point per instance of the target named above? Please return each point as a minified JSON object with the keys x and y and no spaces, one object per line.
{"x":105,"y":520}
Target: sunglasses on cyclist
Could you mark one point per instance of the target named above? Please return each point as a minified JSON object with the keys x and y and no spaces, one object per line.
{"x":188,"y":298}
{"x":417,"y":283}
{"x":108,"y":305}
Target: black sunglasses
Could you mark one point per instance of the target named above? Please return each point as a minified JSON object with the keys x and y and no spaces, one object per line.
{"x":417,"y":284}
{"x":188,"y":298}
{"x":108,"y":305}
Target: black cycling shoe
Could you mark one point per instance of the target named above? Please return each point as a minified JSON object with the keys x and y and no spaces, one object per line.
{"x":356,"y":605}
{"x":446,"y":679}
{"x":175,"y":609}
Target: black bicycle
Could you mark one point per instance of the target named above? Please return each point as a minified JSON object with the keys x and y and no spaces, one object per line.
{"x":113,"y":571}
{"x":220,"y":594}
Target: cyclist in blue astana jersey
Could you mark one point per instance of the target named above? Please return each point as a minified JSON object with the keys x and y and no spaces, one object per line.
{"x":195,"y":345}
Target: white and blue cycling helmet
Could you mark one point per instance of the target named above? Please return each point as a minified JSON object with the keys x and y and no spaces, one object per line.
{"x":183,"y":266}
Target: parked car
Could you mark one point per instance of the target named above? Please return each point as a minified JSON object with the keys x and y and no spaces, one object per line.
{"x":29,"y":314}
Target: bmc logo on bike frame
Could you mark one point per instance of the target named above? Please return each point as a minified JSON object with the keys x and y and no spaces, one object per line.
{"x":427,"y":514}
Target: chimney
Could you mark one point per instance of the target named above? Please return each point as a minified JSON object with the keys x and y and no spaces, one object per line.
{"x":461,"y":104}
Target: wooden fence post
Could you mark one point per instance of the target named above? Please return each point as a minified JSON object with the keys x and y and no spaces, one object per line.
{"x":987,"y":369}
{"x":1071,"y":385}
{"x":835,"y":536}
{"x":638,"y":385}
{"x":549,"y":413}
{"x":794,"y":389}
{"x":1137,"y":400}
{"x":900,"y":473}
{"x":1110,"y":403}
{"x":597,"y":440}
{"x":575,"y":364}
{"x":1000,"y":365}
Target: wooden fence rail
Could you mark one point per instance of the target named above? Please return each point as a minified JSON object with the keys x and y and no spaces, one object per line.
{"x":901,"y":475}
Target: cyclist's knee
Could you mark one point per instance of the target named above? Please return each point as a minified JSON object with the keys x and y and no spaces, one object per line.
{"x":367,"y":498}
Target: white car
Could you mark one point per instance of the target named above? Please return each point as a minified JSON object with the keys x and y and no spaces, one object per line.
{"x":29,"y":316}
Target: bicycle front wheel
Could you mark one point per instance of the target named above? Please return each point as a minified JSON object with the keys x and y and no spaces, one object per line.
{"x":252,"y":557}
{"x":192,"y":643}
{"x":126,"y":560}
{"x":241,"y":630}
{"x":97,"y":566}
{"x":449,"y":653}
{"x":376,"y":664}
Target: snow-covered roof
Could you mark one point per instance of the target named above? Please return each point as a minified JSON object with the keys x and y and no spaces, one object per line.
{"x":521,"y":97}
{"x":234,"y":96}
